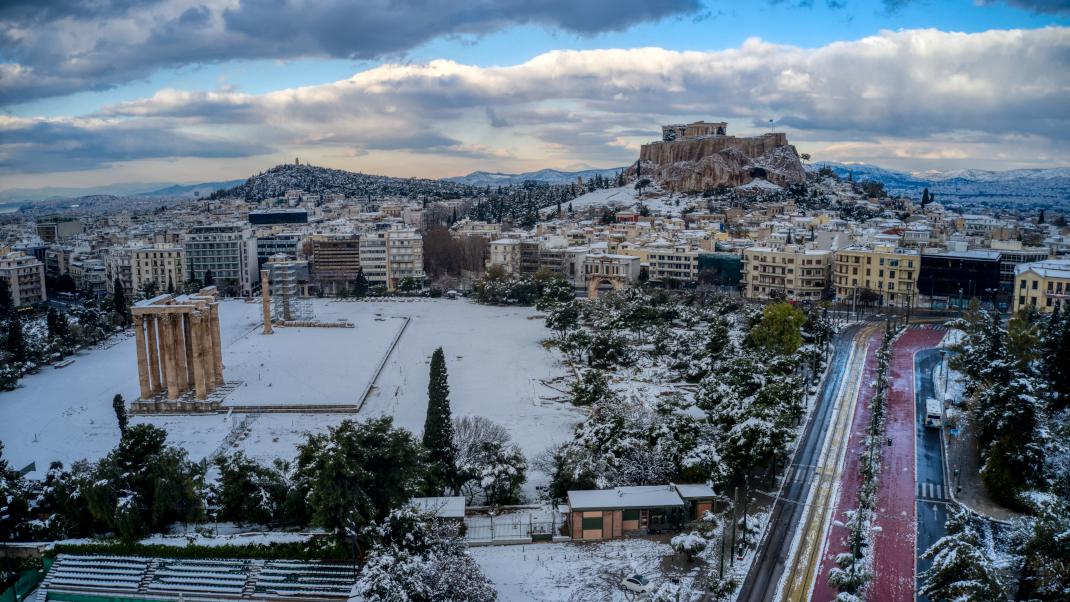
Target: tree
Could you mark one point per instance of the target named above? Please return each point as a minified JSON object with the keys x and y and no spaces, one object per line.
{"x":209,"y":280}
{"x":590,"y":388}
{"x":417,"y":558}
{"x":779,"y":331}
{"x":961,"y":568}
{"x":1055,"y":357}
{"x":119,"y":406}
{"x":357,"y":471}
{"x":924,"y":198}
{"x":502,"y":473}
{"x":119,"y":299}
{"x":472,"y":437}
{"x":58,"y":326}
{"x":7,"y":304}
{"x":249,"y":492}
{"x":170,"y":284}
{"x":15,"y":344}
{"x":691,"y":544}
{"x":143,"y":485}
{"x":360,"y":284}
{"x":438,"y":428}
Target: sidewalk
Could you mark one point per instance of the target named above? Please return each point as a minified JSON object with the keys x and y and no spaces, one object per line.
{"x":968,"y":489}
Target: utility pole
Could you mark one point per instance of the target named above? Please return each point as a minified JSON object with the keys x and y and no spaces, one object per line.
{"x":735,"y":505}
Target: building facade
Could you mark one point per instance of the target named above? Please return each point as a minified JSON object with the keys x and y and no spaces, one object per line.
{"x":960,"y":274}
{"x":162,"y":267}
{"x":25,"y":276}
{"x":228,"y":251}
{"x":1043,"y":285}
{"x":335,"y":262}
{"x":391,"y":254}
{"x":890,"y":274}
{"x":791,"y":272}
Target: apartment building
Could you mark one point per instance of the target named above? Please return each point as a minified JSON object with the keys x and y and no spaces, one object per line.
{"x":889,"y":272}
{"x":118,"y":266}
{"x":1044,"y":285}
{"x":54,"y":229}
{"x":335,"y":262}
{"x":25,"y":276}
{"x":228,"y":251}
{"x":390,"y":254}
{"x":160,"y":266}
{"x":791,"y":272}
{"x":269,"y":245}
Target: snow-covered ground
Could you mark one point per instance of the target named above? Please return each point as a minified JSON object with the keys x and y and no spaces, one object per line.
{"x":493,"y":355}
{"x":578,"y":571}
{"x":624,"y":198}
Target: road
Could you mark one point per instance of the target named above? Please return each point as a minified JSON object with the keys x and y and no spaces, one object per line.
{"x":768,"y":567}
{"x":932,"y":492}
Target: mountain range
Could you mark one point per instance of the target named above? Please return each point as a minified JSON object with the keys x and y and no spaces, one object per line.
{"x":547,"y":176}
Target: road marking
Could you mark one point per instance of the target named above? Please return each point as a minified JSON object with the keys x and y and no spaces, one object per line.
{"x":798,"y":583}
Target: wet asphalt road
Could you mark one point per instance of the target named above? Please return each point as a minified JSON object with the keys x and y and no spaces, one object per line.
{"x":932,"y":493}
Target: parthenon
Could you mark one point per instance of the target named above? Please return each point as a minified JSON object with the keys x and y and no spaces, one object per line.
{"x":178,"y":349}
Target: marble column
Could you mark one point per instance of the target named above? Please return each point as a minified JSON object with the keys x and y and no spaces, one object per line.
{"x":178,"y":347}
{"x":200,"y":381}
{"x":204,"y":338}
{"x":142,"y":358}
{"x":265,"y":299}
{"x":167,"y":346}
{"x":187,"y":335}
{"x":154,"y":354}
{"x":217,"y":344}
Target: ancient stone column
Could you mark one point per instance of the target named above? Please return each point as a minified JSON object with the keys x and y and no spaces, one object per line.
{"x":167,"y":347}
{"x":187,"y":332}
{"x":203,"y":337}
{"x":154,"y":355}
{"x":265,"y":296}
{"x":142,"y":359}
{"x":217,"y":344}
{"x":178,"y":346}
{"x":200,"y":381}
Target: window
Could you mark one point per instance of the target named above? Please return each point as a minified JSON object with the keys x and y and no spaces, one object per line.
{"x":631,"y":515}
{"x":592,"y":523}
{"x":1035,"y":282}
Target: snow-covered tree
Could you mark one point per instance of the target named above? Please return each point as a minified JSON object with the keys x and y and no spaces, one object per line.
{"x":438,"y":429}
{"x":961,"y":568}
{"x":415,"y":558}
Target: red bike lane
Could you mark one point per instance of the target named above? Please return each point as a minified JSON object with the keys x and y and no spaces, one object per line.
{"x":893,"y":554}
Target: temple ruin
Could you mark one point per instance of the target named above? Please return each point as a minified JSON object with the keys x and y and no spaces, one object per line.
{"x":179,"y":352}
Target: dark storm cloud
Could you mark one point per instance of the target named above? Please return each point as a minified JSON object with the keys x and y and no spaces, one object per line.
{"x":57,"y":48}
{"x":34,"y":146}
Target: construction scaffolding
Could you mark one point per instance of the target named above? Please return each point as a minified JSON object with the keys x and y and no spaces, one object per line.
{"x":287,"y":303}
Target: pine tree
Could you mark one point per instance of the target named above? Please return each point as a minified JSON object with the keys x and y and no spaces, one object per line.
{"x":209,"y":280}
{"x":360,"y":284}
{"x":15,"y":344}
{"x":170,"y":285}
{"x":119,"y":406}
{"x":924,"y":198}
{"x":1055,"y":358}
{"x":438,"y":428}
{"x":961,"y":569}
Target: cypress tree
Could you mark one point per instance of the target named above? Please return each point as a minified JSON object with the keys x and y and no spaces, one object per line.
{"x":170,"y":285}
{"x":119,"y":298}
{"x":15,"y":344}
{"x":119,"y":406}
{"x":7,"y":304}
{"x":209,"y":280}
{"x":1055,"y":362}
{"x":438,"y":428}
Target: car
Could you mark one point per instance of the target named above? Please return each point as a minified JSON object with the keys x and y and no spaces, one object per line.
{"x":638,"y":584}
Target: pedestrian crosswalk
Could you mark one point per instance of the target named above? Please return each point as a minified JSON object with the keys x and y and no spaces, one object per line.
{"x":931,"y":491}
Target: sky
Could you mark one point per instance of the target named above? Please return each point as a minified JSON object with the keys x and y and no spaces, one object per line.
{"x":94,"y":92}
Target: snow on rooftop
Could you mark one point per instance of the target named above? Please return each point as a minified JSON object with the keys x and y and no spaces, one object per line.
{"x":644,"y":496}
{"x":1049,"y":268}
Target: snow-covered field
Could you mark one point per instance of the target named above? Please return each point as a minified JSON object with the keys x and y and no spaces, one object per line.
{"x":623,"y":198}
{"x":493,"y":355}
{"x":578,"y":572}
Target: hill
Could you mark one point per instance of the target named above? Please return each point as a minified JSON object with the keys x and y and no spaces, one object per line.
{"x":546,"y":176}
{"x":276,"y":181}
{"x":1019,"y":188}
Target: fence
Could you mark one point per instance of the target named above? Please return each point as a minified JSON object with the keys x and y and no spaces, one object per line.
{"x":27,"y":582}
{"x":508,"y":528}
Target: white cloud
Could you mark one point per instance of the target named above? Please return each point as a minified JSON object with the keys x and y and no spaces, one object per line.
{"x":919,"y":94}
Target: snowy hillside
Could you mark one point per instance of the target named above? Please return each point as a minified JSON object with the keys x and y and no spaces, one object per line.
{"x":278,"y":180}
{"x":548,"y":176}
{"x":1028,"y":187}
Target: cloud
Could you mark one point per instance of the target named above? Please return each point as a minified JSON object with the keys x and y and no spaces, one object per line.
{"x":45,"y":145}
{"x":57,"y":48}
{"x":914,"y":89}
{"x":1039,"y":6}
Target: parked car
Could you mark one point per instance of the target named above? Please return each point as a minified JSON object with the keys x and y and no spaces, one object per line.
{"x":638,"y":584}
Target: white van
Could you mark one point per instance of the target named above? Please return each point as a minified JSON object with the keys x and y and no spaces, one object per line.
{"x":934,"y":413}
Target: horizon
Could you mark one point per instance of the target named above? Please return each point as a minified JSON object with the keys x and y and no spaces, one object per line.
{"x":157,"y":91}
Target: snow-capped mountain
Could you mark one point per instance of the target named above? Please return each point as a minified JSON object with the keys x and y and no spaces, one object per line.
{"x":1028,"y":187}
{"x":547,"y":176}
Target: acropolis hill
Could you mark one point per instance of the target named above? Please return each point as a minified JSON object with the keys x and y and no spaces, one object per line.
{"x":701,"y":156}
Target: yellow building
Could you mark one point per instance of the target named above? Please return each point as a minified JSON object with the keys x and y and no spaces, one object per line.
{"x":791,"y":272}
{"x":1042,"y":284}
{"x":888,"y":272}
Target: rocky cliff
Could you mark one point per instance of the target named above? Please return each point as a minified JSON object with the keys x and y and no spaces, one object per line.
{"x":700,"y":164}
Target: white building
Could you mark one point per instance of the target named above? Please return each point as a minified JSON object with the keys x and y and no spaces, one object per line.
{"x":390,"y":254}
{"x":25,"y":276}
{"x":228,"y":251}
